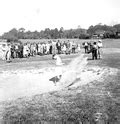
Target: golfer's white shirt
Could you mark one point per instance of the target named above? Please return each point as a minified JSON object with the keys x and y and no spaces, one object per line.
{"x":58,"y":60}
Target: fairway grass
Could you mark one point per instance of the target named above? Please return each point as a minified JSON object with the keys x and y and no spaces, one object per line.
{"x":74,"y":104}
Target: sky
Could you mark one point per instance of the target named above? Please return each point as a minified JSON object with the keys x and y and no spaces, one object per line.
{"x":40,"y":14}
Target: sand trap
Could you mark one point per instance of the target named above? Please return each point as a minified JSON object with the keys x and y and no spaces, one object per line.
{"x":25,"y":83}
{"x":21,"y":83}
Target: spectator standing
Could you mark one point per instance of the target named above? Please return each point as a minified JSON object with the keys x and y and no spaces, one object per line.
{"x":21,"y":50}
{"x":78,"y":47}
{"x":13,"y":51}
{"x":86,"y":47}
{"x":39,"y":49}
{"x":94,"y":51}
{"x":16,"y":51}
{"x":25,"y":50}
{"x":32,"y":49}
{"x":47,"y":48}
{"x":68,"y":47}
{"x":58,"y":45}
{"x":100,"y":45}
{"x":64,"y":48}
{"x":73,"y":47}
{"x":42,"y":49}
{"x":90,"y":46}
{"x":53,"y":47}
{"x":8,"y":53}
{"x":50,"y":50}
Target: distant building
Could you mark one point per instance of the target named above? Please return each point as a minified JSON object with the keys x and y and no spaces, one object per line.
{"x":98,"y":34}
{"x":95,"y":36}
{"x":118,"y":34}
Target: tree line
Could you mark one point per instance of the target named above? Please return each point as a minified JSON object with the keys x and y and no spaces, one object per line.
{"x":100,"y":30}
{"x":105,"y":30}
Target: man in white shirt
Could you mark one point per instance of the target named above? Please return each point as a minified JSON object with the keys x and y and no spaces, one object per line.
{"x":8,"y":53}
{"x":58,"y":59}
{"x":100,"y":45}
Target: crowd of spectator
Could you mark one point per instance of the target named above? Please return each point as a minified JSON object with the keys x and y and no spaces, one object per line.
{"x":26,"y":50}
{"x":95,"y":48}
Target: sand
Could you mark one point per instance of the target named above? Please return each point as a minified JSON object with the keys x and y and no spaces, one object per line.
{"x":22,"y":83}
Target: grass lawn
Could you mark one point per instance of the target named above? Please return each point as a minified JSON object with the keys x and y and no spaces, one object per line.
{"x":76,"y":105}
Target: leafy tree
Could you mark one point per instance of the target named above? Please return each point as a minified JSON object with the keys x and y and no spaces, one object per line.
{"x":22,"y":30}
{"x":21,"y":33}
{"x":105,"y":30}
{"x":61,"y":32}
{"x":117,"y":27}
{"x":11,"y":35}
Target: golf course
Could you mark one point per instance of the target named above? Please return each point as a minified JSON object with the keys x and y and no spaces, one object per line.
{"x":88,"y":91}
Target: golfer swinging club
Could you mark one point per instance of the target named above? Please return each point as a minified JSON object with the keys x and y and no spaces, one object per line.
{"x":58,"y":60}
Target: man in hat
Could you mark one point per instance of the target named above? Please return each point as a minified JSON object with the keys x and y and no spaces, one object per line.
{"x":100,"y":45}
{"x":93,"y":50}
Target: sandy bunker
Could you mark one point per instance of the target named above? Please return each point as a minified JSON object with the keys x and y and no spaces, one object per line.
{"x":22,"y":83}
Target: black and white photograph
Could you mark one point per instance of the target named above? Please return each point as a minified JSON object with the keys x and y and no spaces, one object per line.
{"x":59,"y":62}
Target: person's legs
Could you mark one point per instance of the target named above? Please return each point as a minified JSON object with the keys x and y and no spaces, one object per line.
{"x":85,"y":50}
{"x":11,"y":54}
{"x":95,"y":54}
{"x":74,"y":50}
{"x":8,"y":56}
{"x":99,"y":53}
{"x":58,"y":50}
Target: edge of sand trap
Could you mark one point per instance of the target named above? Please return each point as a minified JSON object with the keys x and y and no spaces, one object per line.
{"x":90,"y":74}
